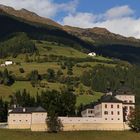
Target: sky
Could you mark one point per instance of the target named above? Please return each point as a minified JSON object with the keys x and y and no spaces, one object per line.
{"x":118,"y":16}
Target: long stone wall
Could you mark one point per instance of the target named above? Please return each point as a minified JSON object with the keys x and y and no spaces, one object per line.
{"x":79,"y":124}
{"x":73,"y":124}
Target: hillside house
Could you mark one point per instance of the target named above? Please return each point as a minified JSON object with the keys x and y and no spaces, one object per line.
{"x":93,"y":54}
{"x":7,"y":63}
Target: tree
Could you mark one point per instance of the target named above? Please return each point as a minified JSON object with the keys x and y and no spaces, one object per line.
{"x":21,"y":70}
{"x":27,"y":58}
{"x":34,"y":77}
{"x":3,"y":110}
{"x":54,"y":123}
{"x":50,"y":75}
{"x":134,"y":120}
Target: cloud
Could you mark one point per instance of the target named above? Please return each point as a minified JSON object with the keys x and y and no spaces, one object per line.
{"x":79,"y":20}
{"x":119,"y":12}
{"x":45,"y":8}
{"x":120,"y":20}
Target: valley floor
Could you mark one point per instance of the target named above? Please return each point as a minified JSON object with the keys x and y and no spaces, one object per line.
{"x":83,"y":135}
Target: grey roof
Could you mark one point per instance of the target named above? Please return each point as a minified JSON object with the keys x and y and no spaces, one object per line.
{"x":109,"y":98}
{"x":103,"y":99}
{"x":27,"y":109}
{"x":124,"y":90}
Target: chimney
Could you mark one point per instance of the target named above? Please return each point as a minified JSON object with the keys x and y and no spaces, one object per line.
{"x":15,"y":106}
{"x":24,"y":109}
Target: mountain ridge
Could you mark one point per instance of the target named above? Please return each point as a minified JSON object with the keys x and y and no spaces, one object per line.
{"x":96,"y":39}
{"x":28,"y":15}
{"x":33,"y":17}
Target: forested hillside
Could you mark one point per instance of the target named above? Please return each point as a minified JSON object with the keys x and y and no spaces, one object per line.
{"x":16,"y":44}
{"x":10,"y":24}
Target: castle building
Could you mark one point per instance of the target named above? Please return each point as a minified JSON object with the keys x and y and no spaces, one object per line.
{"x":110,"y":112}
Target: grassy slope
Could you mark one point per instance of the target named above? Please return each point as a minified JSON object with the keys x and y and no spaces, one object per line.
{"x":88,"y":135}
{"x":85,"y":99}
{"x":42,"y":68}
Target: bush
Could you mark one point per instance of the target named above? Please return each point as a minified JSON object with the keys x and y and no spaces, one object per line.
{"x":134,"y":120}
{"x":21,"y":70}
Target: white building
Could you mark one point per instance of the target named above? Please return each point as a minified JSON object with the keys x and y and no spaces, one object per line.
{"x":25,"y":118}
{"x":115,"y":107}
{"x":92,"y":54}
{"x":8,"y":62}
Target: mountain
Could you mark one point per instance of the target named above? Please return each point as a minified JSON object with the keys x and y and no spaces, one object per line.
{"x":95,"y":35}
{"x":99,"y":40}
{"x":99,"y":36}
{"x":28,"y":15}
{"x":11,"y":24}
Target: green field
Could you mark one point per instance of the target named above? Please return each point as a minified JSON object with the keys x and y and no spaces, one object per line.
{"x":83,"y":135}
{"x":48,"y":48}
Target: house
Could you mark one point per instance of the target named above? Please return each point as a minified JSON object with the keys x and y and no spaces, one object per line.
{"x":92,"y":54}
{"x":8,"y":62}
{"x":110,"y":112}
{"x":26,"y":117}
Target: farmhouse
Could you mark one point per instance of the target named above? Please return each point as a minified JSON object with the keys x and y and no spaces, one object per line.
{"x":109,"y":113}
{"x":7,"y":63}
{"x":92,"y":54}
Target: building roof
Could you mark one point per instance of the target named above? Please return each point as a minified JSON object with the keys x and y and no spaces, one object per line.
{"x":27,"y":110}
{"x":124,"y":90}
{"x":109,"y":99}
{"x":103,"y":99}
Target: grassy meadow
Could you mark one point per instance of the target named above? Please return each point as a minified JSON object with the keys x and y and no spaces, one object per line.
{"x":81,"y":135}
{"x":48,"y":48}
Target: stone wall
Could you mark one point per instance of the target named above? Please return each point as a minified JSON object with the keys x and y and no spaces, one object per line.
{"x":79,"y":124}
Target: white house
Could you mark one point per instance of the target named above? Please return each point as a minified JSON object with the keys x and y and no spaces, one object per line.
{"x":92,"y":54}
{"x":8,"y":62}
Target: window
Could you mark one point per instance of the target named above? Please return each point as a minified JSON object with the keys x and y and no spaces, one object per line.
{"x":118,"y":106}
{"x":105,"y":105}
{"x":14,"y":120}
{"x":118,"y":118}
{"x":118,"y":112}
{"x":90,"y":111}
{"x":111,"y":106}
{"x":112,"y":112}
{"x":130,"y":101}
{"x":111,"y":118}
{"x":105,"y":118}
{"x":106,"y":112}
